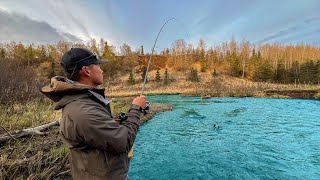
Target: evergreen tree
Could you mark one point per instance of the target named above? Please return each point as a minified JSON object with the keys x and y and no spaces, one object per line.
{"x":158,"y":78}
{"x":108,"y":52}
{"x":308,"y":72}
{"x":143,"y":74}
{"x":318,"y":71}
{"x":2,"y":53}
{"x":234,"y":64}
{"x":280,"y":74}
{"x":52,"y":71}
{"x":166,"y":80}
{"x":203,"y":65}
{"x":293,"y":73}
{"x":142,"y":53}
{"x":131,"y":79}
{"x":193,"y":76}
{"x":263,"y":72}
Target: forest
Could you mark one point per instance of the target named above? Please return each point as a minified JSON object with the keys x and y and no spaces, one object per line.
{"x":27,"y":67}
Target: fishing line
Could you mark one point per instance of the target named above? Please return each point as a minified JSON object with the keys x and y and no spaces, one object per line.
{"x":154,"y":45}
{"x":149,"y":62}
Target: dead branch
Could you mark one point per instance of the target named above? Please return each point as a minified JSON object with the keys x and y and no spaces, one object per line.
{"x":30,"y":131}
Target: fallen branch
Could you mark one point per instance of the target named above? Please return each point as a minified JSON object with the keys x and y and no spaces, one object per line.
{"x":27,"y":132}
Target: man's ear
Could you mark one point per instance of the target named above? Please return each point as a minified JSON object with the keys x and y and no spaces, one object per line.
{"x":85,"y":71}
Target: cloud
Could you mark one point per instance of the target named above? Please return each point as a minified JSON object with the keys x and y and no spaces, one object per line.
{"x":17,"y":27}
{"x":291,"y":32}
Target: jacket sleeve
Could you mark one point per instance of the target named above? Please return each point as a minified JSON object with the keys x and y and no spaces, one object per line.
{"x":98,"y":129}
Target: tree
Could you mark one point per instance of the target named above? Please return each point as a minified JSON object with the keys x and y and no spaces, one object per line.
{"x":93,"y":46}
{"x":52,"y":71}
{"x":244,"y":56}
{"x":158,"y":78}
{"x":2,"y":54}
{"x":108,"y":52}
{"x":143,"y":74}
{"x":280,"y":74}
{"x":308,"y":72}
{"x":30,"y":54}
{"x":131,"y":79}
{"x":193,"y":75}
{"x":203,"y":65}
{"x":233,"y":64}
{"x":125,"y":50}
{"x":263,"y":72}
{"x":142,"y":53}
{"x":166,"y":80}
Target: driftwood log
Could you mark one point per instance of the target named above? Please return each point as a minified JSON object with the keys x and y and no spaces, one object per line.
{"x":28,"y":132}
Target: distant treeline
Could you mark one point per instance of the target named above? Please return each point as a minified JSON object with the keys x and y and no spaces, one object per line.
{"x":269,"y":62}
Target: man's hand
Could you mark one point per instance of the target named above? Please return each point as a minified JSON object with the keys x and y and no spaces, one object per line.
{"x":140,"y":101}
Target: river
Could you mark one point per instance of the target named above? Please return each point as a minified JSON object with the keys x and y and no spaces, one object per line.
{"x":229,"y":138}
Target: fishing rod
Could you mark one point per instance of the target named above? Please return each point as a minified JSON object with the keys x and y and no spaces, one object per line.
{"x":147,"y":107}
{"x":149,"y":62}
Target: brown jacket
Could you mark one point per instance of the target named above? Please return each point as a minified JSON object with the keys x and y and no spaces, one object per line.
{"x":98,"y":144}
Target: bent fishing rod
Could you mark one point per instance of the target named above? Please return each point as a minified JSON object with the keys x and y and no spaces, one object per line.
{"x":146,"y":108}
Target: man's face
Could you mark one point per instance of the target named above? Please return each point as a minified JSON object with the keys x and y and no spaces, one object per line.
{"x":96,"y":74}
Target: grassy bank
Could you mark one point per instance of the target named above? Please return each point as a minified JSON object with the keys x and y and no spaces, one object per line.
{"x":220,"y":86}
{"x":43,"y":157}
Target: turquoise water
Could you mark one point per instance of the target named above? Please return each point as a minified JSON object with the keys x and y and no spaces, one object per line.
{"x":229,"y":138}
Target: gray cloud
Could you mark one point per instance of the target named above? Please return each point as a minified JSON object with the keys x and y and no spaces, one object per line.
{"x":17,"y":27}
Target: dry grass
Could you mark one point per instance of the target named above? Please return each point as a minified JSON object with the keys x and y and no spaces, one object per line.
{"x":16,"y":116}
{"x":213,"y":86}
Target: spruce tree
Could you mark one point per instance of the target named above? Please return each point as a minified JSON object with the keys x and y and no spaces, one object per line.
{"x":193,"y":76}
{"x":131,"y":79}
{"x":158,"y":78}
{"x":143,"y":74}
{"x":166,"y":80}
{"x":203,"y":65}
{"x":142,"y":53}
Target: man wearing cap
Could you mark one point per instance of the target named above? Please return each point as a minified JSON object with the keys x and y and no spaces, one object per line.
{"x":98,"y":144}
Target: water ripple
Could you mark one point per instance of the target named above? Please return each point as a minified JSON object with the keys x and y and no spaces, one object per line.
{"x":229,"y":138}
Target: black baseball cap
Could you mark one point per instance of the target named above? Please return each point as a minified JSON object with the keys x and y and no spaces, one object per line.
{"x":76,"y":58}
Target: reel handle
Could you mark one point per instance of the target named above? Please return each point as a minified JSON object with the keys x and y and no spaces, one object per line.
{"x":146,"y":109}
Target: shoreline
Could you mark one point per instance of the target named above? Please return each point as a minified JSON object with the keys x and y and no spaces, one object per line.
{"x":294,"y":94}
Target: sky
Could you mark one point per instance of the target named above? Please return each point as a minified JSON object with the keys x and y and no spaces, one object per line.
{"x":137,"y":22}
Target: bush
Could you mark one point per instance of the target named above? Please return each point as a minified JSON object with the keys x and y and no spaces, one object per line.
{"x":18,"y":83}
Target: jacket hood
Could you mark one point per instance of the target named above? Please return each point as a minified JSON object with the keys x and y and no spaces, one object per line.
{"x":60,"y":87}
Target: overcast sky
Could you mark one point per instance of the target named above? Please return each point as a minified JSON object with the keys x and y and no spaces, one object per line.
{"x":137,"y":22}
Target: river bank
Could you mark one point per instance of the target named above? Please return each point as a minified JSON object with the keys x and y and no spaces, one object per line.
{"x":45,"y":157}
{"x":222,"y":86}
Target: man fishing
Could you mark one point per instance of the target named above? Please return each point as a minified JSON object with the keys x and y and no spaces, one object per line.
{"x":98,"y":144}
